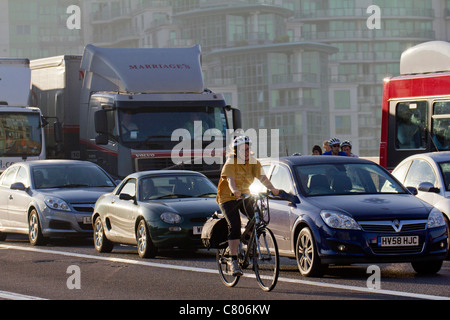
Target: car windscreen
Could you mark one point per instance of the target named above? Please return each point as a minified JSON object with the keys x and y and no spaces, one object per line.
{"x":341,"y":179}
{"x":70,"y":176}
{"x":20,"y":134}
{"x":445,"y":169}
{"x":180,"y":186}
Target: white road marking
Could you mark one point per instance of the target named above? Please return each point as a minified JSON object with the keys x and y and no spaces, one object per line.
{"x":17,"y":296}
{"x":204,"y":270}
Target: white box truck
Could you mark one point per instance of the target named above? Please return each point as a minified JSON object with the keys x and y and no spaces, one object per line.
{"x":21,"y":126}
{"x":56,"y":86}
{"x":142,"y":109}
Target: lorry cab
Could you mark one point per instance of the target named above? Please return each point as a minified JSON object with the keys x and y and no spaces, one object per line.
{"x":148,"y":109}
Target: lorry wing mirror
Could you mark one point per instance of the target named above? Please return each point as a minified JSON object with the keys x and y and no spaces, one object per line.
{"x":57,"y":129}
{"x":44,"y":121}
{"x":237,"y":121}
{"x":101,"y":125}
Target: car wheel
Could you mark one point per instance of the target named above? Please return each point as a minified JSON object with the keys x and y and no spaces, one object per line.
{"x":34,"y":229}
{"x":101,"y":243}
{"x":145,"y":246}
{"x":427,"y":267}
{"x":308,"y":260}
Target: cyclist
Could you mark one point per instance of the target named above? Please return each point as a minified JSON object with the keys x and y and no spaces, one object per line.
{"x":237,"y":175}
{"x":346,"y":146}
{"x":335,"y":145}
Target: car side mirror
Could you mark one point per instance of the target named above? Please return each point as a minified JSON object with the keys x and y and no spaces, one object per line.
{"x":18,"y":186}
{"x":428,"y":187}
{"x":413,"y":190}
{"x":126,"y":196}
{"x":283,"y":195}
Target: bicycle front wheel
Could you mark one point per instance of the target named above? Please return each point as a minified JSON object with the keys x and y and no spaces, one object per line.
{"x":223,"y":264}
{"x":266,"y":259}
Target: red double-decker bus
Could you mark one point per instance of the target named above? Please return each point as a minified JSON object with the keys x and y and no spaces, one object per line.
{"x":416,"y":104}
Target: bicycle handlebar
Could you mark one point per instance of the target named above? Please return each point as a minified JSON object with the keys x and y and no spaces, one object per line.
{"x":245,"y":196}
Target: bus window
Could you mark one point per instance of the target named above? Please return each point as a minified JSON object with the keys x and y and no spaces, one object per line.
{"x":411,"y":125}
{"x":440,"y":124}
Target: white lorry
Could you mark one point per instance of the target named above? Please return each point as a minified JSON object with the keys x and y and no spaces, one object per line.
{"x":56,"y":85}
{"x":21,"y":126}
{"x":136,"y":107}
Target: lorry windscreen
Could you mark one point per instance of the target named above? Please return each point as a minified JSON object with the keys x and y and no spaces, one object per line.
{"x":20,"y":134}
{"x":157,"y":124}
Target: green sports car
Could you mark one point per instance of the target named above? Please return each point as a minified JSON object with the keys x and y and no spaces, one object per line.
{"x":155,"y":209}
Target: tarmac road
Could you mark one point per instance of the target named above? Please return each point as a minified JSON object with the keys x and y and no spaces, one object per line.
{"x":63,"y":270}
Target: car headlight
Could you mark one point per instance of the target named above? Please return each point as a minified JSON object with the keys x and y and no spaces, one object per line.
{"x":435,"y":219}
{"x":170,"y":217}
{"x":339,"y":220}
{"x":56,"y":204}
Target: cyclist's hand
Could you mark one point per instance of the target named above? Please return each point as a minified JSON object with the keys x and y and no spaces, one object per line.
{"x":275,"y":191}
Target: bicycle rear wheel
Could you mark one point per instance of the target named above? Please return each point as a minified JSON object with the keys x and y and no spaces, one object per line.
{"x":266,"y":260}
{"x":223,"y":264}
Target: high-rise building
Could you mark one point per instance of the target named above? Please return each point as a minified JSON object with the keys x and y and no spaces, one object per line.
{"x":39,"y":28}
{"x":311,"y":68}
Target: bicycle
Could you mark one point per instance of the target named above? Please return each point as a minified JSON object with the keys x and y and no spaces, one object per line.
{"x":260,"y":247}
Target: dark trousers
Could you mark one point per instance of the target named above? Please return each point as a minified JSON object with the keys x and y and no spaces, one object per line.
{"x":230,"y":210}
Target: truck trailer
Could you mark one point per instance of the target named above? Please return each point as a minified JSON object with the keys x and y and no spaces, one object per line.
{"x":21,"y":126}
{"x":137,"y":109}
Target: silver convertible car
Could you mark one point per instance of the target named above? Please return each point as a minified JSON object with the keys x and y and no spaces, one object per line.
{"x":155,"y":209}
{"x":429,"y":173}
{"x":50,"y":198}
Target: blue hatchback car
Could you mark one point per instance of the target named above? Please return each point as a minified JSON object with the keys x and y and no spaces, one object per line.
{"x":348,"y":210}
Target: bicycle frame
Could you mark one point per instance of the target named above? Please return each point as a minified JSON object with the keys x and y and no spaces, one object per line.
{"x":253,"y":225}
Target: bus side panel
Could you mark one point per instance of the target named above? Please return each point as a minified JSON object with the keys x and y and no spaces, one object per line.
{"x":384,"y":123}
{"x":419,"y":85}
{"x":413,"y":87}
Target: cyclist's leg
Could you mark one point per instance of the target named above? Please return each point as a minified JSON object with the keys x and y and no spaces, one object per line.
{"x":247,"y":208}
{"x":230,"y":210}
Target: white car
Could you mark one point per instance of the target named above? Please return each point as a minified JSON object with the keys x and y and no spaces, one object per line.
{"x":429,"y":173}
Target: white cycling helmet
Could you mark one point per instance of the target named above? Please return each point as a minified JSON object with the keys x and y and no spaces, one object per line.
{"x":334,"y":141}
{"x":237,"y":141}
{"x":346,"y":143}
